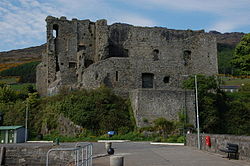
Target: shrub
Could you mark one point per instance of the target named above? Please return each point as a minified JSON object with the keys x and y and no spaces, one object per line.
{"x":164,"y":126}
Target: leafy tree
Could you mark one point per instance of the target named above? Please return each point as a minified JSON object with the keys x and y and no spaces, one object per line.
{"x":225,"y":55}
{"x":238,"y":113}
{"x":221,"y":112}
{"x":7,"y":94}
{"x":96,"y":110}
{"x":208,"y":93}
{"x":238,"y":118}
{"x":241,"y":60}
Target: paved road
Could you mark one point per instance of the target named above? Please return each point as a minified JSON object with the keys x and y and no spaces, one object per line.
{"x":144,"y":154}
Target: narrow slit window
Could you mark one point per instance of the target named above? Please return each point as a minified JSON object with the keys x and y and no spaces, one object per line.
{"x":116,"y":76}
{"x":186,"y":57}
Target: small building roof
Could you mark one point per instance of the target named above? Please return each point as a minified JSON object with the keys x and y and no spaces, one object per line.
{"x":10,"y":127}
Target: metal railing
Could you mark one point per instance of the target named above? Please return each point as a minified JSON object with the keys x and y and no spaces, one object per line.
{"x":88,"y":153}
{"x":80,"y":149}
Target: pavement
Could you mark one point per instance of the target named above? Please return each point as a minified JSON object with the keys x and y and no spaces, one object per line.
{"x":146,"y":154}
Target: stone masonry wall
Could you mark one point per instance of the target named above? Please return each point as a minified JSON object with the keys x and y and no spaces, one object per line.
{"x":74,"y":45}
{"x":220,"y":141}
{"x":30,"y":155}
{"x":152,"y":104}
{"x":126,"y":58}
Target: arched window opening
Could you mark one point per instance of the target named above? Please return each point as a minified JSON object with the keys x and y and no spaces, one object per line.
{"x":55,"y":30}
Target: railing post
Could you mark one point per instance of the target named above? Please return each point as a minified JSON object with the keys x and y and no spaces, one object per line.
{"x":77,"y":150}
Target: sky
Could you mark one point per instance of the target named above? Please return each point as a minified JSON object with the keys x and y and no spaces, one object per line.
{"x":22,"y":22}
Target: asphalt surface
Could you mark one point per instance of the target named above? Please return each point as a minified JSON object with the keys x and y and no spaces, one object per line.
{"x":144,"y":154}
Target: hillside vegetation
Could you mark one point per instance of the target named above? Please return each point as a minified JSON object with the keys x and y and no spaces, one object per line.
{"x":225,"y":56}
{"x":26,"y":72}
{"x":220,"y":112}
{"x":98,"y":111}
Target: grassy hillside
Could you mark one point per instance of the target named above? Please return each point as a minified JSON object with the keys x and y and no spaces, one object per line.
{"x":26,"y":72}
{"x":22,"y":55}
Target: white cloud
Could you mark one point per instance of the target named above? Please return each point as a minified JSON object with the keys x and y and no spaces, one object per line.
{"x":22,"y":23}
{"x":230,"y":24}
{"x":100,"y":9}
{"x":133,"y":19}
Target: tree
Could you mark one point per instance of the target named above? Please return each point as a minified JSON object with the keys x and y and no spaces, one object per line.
{"x":225,"y":56}
{"x":241,"y":60}
{"x":209,"y":103}
{"x":7,"y":94}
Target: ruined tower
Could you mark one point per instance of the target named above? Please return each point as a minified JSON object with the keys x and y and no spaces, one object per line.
{"x":145,"y":63}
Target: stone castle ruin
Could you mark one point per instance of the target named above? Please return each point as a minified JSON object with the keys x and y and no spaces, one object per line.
{"x":146,"y":64}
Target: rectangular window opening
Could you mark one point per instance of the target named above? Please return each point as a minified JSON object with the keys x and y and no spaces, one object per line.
{"x":72,"y":64}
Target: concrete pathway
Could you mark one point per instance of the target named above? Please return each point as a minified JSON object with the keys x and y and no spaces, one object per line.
{"x":144,"y":154}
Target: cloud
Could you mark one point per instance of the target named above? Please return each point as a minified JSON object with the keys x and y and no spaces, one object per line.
{"x":194,"y":5}
{"x":22,"y":23}
{"x":229,"y":24}
{"x":99,"y":9}
{"x":134,"y":20}
{"x":231,"y":14}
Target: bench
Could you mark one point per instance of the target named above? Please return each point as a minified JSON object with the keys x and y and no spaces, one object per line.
{"x":231,"y":149}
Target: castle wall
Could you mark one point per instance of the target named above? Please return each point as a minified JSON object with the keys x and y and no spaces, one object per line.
{"x":219,"y":141}
{"x":41,"y":79}
{"x":75,"y":46}
{"x":152,"y":104}
{"x":147,"y":62}
{"x":113,"y":73}
{"x":124,"y":75}
{"x":167,"y":47}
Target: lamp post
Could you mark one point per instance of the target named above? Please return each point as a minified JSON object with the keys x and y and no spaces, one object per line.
{"x":197,"y":112}
{"x":26,"y":122}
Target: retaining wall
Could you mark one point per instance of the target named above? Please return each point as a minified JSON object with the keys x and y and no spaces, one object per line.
{"x":30,"y":155}
{"x":220,"y":141}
